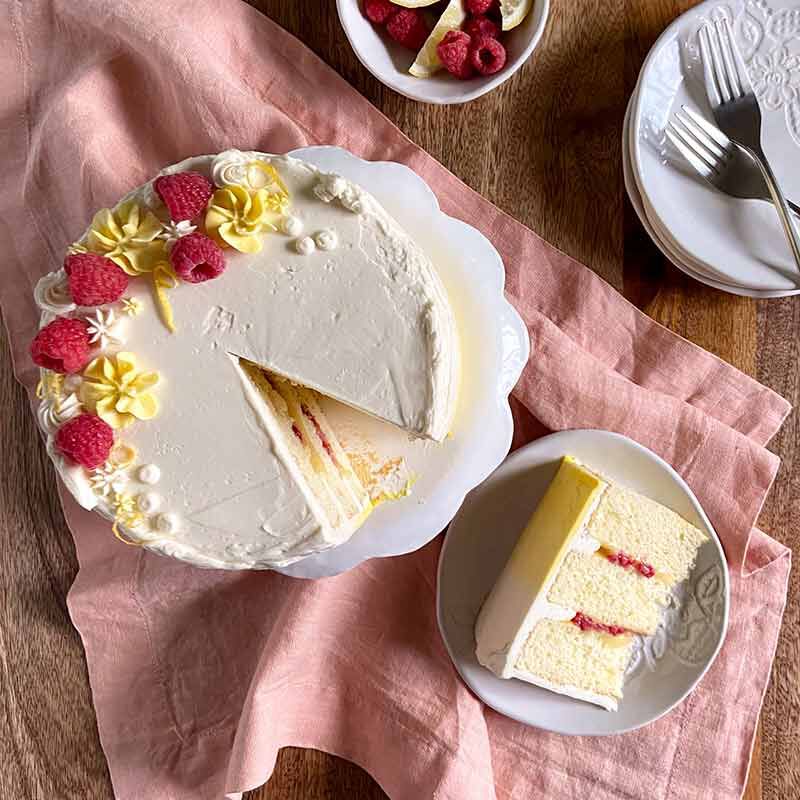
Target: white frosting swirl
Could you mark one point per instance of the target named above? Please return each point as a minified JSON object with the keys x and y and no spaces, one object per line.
{"x":331,"y":186}
{"x":53,"y":412}
{"x":148,"y":502}
{"x":326,"y":239}
{"x":149,"y":473}
{"x":291,"y":225}
{"x":52,"y":293}
{"x":104,"y":328}
{"x":305,"y":246}
{"x":167,"y":523}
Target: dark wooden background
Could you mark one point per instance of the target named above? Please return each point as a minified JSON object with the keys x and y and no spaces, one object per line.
{"x":546,"y":148}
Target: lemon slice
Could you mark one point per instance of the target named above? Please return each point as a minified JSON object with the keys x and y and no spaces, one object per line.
{"x":414,"y":3}
{"x":427,"y":61}
{"x":514,"y":11}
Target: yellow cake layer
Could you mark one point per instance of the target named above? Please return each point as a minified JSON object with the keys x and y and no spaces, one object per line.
{"x":627,"y":521}
{"x":564,"y":656}
{"x":590,"y":583}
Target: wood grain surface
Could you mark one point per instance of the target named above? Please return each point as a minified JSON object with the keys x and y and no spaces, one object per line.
{"x":546,"y":148}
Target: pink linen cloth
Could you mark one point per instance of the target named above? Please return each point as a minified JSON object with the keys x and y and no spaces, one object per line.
{"x":199,"y":677}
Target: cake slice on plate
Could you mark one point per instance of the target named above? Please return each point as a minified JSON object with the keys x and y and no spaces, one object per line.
{"x":594,"y":566}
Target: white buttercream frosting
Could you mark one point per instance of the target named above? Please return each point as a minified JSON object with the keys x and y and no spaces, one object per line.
{"x":149,"y":473}
{"x":231,"y":493}
{"x":305,"y":246}
{"x":148,"y":502}
{"x":326,"y":239}
{"x":291,"y":225}
{"x":52,"y":293}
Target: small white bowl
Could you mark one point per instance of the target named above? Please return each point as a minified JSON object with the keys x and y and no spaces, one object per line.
{"x":389,"y":61}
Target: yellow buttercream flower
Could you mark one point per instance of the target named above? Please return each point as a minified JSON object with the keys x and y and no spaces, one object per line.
{"x":128,"y":236}
{"x":239,"y":218}
{"x":117,"y":392}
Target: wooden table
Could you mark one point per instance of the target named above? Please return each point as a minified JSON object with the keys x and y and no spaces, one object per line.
{"x":546,"y":148}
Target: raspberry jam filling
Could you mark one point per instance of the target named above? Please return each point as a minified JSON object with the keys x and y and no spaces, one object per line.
{"x":320,"y":433}
{"x":296,"y":431}
{"x":625,"y":561}
{"x":586,"y":623}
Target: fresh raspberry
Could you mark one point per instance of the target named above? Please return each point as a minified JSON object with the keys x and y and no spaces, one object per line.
{"x":379,"y":11}
{"x":408,"y":28}
{"x":479,"y":26}
{"x":476,"y":7}
{"x":487,"y":55}
{"x":196,"y":258}
{"x":453,"y":52}
{"x":185,"y":194}
{"x":86,"y":440}
{"x":94,"y":279}
{"x":61,"y":346}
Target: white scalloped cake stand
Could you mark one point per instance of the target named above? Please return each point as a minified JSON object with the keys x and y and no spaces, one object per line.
{"x":494,"y":349}
{"x":665,"y":667}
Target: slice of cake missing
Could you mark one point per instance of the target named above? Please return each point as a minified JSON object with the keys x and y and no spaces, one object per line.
{"x":594,"y":566}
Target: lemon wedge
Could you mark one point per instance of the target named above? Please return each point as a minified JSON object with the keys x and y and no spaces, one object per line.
{"x":514,"y":11}
{"x":427,"y":61}
{"x":414,"y":3}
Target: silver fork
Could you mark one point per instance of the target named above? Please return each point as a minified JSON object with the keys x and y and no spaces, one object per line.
{"x":736,"y":110}
{"x":721,"y":162}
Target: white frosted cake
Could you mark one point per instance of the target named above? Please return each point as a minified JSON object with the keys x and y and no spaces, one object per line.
{"x":186,"y":344}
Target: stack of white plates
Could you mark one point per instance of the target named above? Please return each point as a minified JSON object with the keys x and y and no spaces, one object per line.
{"x":734,"y":245}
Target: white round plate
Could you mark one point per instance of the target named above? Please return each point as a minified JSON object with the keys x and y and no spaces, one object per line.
{"x":683,"y":261}
{"x":739,"y":239}
{"x":494,"y":349}
{"x":665,"y":667}
{"x":389,"y":61}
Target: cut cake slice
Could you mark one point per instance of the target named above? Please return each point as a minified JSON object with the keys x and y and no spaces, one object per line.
{"x":593,"y":567}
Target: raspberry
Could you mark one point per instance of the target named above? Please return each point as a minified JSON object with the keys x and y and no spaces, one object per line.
{"x":408,"y":28}
{"x":481,"y":26}
{"x":94,"y":279}
{"x":476,"y":7}
{"x":86,"y":440}
{"x":487,"y":55}
{"x":196,"y":258}
{"x":61,"y":346}
{"x":185,"y":194}
{"x":379,"y":11}
{"x":453,"y":52}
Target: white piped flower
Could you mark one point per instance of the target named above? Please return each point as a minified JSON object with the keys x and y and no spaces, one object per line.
{"x":52,"y":293}
{"x":172,"y":231}
{"x":108,"y":478}
{"x":104,"y":328}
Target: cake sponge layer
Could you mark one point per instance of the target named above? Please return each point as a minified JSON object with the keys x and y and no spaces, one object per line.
{"x":590,"y":583}
{"x":640,"y":527}
{"x":563,"y":656}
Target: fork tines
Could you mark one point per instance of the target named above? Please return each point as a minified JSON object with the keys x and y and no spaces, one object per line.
{"x":725,"y":75}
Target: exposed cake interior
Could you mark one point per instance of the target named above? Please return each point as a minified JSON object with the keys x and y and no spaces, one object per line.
{"x":313,"y":447}
{"x":594,"y":566}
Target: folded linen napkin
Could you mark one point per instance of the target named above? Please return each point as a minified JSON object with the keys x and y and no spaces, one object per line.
{"x":200,"y":677}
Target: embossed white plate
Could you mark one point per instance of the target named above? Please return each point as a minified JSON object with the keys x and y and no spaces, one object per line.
{"x":683,"y":261}
{"x":666,"y":666}
{"x":740,"y":240}
{"x":494,"y":348}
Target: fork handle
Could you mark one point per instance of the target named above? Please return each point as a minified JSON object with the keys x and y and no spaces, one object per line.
{"x":780,"y":202}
